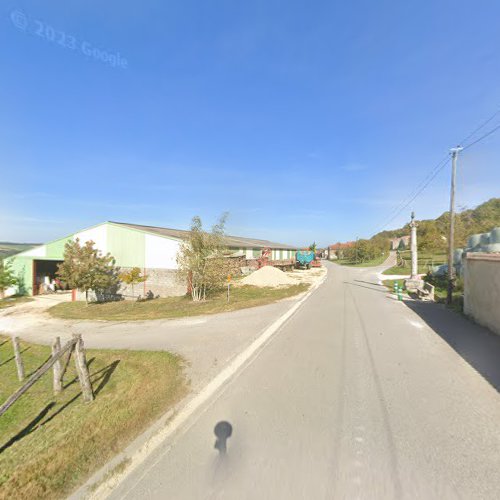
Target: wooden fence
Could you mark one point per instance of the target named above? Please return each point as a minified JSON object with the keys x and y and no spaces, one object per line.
{"x":58,"y":364}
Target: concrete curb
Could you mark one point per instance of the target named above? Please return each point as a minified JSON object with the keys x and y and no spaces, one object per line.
{"x":102,"y":483}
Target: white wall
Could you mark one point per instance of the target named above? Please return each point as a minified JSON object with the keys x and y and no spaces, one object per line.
{"x":40,"y":251}
{"x":160,"y":253}
{"x":482,"y":289}
{"x":97,"y":234}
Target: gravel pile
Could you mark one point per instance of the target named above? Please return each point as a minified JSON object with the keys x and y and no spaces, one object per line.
{"x":268,"y":276}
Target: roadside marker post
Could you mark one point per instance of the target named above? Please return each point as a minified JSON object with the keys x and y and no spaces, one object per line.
{"x":228,"y":285}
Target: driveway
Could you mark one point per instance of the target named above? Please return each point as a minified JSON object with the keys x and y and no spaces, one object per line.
{"x":207,"y":343}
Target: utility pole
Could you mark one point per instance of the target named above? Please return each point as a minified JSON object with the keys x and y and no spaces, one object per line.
{"x":451,"y":240}
{"x":413,"y":246}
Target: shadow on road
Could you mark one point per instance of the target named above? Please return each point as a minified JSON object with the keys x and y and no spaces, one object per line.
{"x":477,"y":345}
{"x":223,"y":431}
{"x":378,"y":289}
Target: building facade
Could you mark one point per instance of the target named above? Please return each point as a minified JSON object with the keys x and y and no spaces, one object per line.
{"x":150,"y":248}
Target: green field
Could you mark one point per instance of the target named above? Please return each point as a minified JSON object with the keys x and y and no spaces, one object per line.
{"x":175,"y":307}
{"x":51,"y":444}
{"x":425,"y":261}
{"x":7,"y":249}
{"x":369,"y":263}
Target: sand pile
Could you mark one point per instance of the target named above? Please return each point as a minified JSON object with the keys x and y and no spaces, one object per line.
{"x":268,"y":276}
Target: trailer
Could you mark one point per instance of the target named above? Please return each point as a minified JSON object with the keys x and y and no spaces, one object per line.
{"x":305,"y":258}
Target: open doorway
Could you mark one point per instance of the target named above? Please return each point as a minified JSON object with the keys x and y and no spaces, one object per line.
{"x":44,"y":276}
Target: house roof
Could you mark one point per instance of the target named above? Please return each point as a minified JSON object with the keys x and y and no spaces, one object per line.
{"x":231,"y":241}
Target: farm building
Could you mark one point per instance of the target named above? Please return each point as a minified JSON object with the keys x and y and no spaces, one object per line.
{"x":152,"y":249}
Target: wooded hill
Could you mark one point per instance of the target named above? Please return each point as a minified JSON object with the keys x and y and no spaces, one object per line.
{"x":433,"y":233}
{"x":7,"y":248}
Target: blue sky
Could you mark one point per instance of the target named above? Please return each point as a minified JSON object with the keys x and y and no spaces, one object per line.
{"x":305,"y":120}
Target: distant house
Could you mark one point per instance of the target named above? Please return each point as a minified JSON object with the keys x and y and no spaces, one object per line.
{"x":150,"y":248}
{"x":397,"y":243}
{"x":336,"y":251}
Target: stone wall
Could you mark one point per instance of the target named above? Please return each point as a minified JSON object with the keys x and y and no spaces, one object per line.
{"x":481,"y":272}
{"x":162,"y":282}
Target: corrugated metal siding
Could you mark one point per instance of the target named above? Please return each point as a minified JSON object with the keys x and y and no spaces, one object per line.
{"x":23,"y":269}
{"x":126,"y":245}
{"x":55,"y":249}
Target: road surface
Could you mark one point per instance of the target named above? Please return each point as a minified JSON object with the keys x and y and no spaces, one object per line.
{"x":355,"y":397}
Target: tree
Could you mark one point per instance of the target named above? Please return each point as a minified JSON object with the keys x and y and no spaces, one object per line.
{"x":7,"y":277}
{"x":201,"y":259}
{"x":85,"y":268}
{"x":312,"y":246}
{"x":133,"y":277}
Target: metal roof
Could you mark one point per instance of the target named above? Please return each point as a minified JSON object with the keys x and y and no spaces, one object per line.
{"x":231,"y":241}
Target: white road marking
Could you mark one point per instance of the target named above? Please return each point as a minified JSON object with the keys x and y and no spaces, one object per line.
{"x":105,"y":488}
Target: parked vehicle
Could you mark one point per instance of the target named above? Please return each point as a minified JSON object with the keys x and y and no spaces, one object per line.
{"x":305,"y":258}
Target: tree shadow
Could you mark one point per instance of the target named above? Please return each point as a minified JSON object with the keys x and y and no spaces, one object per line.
{"x":13,"y":358}
{"x":475,"y":344}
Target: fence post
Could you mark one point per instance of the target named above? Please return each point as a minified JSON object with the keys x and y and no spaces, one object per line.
{"x":82,"y":369}
{"x":57,"y":382}
{"x":19,"y":360}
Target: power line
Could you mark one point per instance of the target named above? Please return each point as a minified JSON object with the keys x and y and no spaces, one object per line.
{"x":433,"y":172}
{"x":488,"y":120}
{"x":436,"y":171}
{"x":415,"y":189}
{"x":482,"y":137}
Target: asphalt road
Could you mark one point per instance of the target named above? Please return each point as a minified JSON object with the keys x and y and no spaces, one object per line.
{"x":355,"y":397}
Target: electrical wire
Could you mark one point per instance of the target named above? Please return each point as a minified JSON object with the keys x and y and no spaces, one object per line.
{"x":433,"y":173}
{"x":482,"y":137}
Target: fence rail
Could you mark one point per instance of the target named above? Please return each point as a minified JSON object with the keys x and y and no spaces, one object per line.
{"x":74,"y":345}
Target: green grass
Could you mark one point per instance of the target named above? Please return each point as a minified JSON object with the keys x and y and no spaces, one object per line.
{"x":424,"y":260}
{"x":440,"y":293}
{"x":175,"y":307}
{"x":7,"y":249}
{"x":369,"y":263}
{"x":49,"y":445}
{"x":13,"y":301}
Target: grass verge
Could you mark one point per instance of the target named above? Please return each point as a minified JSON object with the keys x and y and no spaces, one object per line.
{"x":175,"y":307}
{"x":369,"y":263}
{"x":13,"y":301}
{"x":424,"y":261}
{"x":440,"y":292}
{"x":49,"y":445}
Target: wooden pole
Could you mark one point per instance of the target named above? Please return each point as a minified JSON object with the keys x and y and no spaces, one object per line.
{"x":19,"y":360}
{"x":57,"y":369}
{"x":66,"y":362}
{"x":36,"y":376}
{"x":82,"y":369}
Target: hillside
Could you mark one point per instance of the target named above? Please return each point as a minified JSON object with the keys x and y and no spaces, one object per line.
{"x":7,"y":248}
{"x":432,"y":233}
